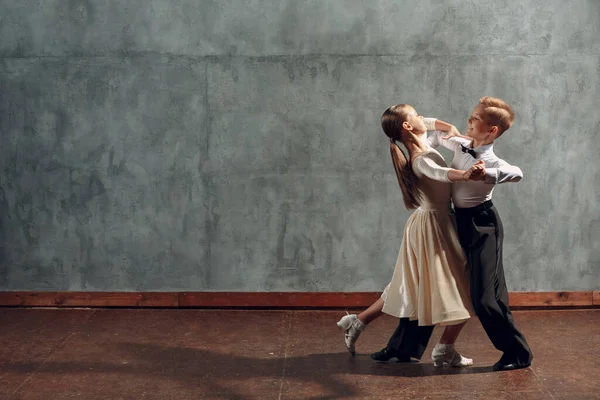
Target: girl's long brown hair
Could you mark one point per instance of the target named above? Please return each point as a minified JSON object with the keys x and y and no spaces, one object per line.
{"x":391,"y":122}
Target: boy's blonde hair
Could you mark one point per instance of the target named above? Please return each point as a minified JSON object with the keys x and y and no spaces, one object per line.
{"x":498,"y":113}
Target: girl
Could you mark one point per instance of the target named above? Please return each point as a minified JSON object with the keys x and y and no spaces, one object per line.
{"x":430,"y":283}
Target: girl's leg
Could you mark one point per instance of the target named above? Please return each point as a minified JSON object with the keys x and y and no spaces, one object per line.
{"x":371,"y":313}
{"x":444,"y":351}
{"x":353,"y":324}
{"x":451,"y":333}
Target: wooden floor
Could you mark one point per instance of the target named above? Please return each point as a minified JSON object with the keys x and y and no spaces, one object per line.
{"x":244,"y":354}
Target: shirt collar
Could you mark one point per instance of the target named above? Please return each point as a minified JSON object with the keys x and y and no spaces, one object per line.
{"x":486,"y":148}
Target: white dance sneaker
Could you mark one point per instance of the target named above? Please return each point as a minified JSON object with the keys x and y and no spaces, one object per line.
{"x":352,"y":327}
{"x":446,"y":353}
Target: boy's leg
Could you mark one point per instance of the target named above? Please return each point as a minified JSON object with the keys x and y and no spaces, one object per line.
{"x":408,"y":340}
{"x":481,"y":235}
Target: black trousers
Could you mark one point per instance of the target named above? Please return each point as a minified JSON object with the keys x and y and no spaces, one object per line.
{"x":481,"y":234}
{"x":410,"y":339}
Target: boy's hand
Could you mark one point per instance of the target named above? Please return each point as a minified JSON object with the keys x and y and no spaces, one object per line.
{"x":453,"y":132}
{"x":477,"y":171}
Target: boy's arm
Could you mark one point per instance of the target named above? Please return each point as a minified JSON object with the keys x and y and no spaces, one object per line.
{"x":442,"y":129}
{"x":450,"y":129}
{"x":432,"y":140}
{"x":502,"y":172}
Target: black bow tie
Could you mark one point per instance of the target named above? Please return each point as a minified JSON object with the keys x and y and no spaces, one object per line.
{"x":470,"y":151}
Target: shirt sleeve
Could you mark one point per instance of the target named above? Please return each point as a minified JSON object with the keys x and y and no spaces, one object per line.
{"x":502,"y":172}
{"x":434,"y":140}
{"x":430,"y":123}
{"x":428,"y":167}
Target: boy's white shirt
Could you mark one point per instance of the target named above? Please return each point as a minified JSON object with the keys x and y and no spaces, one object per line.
{"x":472,"y":193}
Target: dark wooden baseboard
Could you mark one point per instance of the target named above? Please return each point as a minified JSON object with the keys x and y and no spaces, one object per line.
{"x":261,"y":299}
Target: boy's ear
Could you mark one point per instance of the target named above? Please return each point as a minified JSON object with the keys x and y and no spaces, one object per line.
{"x":494,"y":131}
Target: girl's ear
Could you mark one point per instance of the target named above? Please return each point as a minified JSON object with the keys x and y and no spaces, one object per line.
{"x":406,"y":126}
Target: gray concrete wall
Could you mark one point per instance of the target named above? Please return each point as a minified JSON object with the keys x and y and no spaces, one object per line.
{"x":235,"y":145}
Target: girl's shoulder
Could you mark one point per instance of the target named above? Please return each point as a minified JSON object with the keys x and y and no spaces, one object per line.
{"x":431,"y":154}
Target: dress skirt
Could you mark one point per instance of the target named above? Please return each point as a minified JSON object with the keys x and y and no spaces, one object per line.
{"x":430,"y":282}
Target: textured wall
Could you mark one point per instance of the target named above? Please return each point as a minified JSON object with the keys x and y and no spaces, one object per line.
{"x":235,"y":145}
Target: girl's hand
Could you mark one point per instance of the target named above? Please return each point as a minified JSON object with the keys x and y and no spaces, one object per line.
{"x":453,"y":132}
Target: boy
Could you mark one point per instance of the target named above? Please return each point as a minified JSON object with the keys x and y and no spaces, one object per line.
{"x":480,"y":230}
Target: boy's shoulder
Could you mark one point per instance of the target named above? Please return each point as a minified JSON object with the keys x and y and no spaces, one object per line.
{"x":459,"y":140}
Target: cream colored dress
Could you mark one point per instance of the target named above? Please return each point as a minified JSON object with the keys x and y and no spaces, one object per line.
{"x":430,"y":282}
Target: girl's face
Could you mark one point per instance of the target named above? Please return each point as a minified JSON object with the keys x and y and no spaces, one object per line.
{"x":415,"y":122}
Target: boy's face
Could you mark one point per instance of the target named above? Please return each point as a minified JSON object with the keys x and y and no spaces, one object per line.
{"x":479,"y":129}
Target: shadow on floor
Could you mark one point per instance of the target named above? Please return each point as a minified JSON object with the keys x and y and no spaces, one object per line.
{"x":211,"y":371}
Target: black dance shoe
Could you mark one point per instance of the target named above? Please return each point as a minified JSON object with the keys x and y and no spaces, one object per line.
{"x":386,"y":354}
{"x":509,"y":365}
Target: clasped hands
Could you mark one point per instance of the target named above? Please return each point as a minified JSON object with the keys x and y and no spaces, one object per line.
{"x":476,"y":172}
